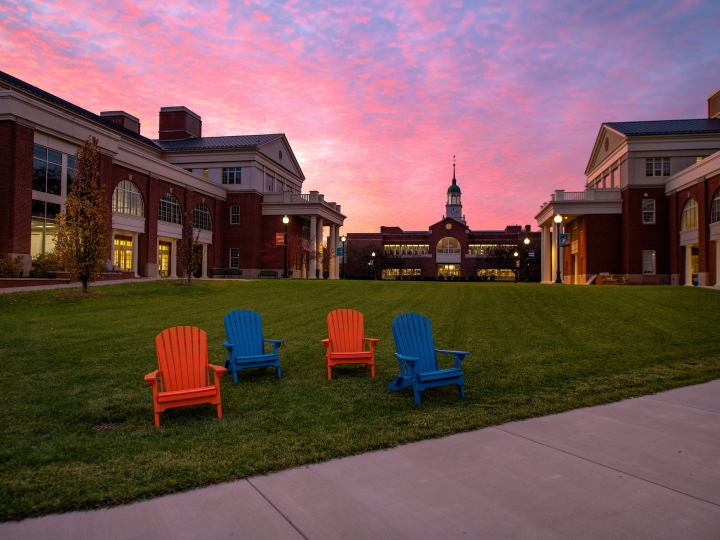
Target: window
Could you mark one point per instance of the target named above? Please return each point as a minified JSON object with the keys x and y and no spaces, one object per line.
{"x":657,"y":167}
{"x":483,"y":249}
{"x":201,"y":218}
{"x":394,"y":272}
{"x":123,"y":252}
{"x":235,"y":215}
{"x":448,"y":245}
{"x":406,"y":250}
{"x":269,"y":183}
{"x":689,"y":215}
{"x":615,"y":178}
{"x":715,"y":208}
{"x":279,"y":186}
{"x":648,"y":211}
{"x":206,"y":173}
{"x":234,"y":257}
{"x":169,"y":209}
{"x":231,"y":175}
{"x":127,"y":199}
{"x":47,"y":170}
{"x":306,"y":233}
{"x":648,"y":261}
{"x":70,"y":173}
{"x":42,"y":227}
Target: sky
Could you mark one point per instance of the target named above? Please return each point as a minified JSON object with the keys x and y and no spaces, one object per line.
{"x":376,"y":98}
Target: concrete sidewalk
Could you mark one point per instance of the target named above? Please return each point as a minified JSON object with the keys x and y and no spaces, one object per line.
{"x":643,"y":468}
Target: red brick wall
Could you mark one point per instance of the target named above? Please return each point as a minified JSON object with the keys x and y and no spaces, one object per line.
{"x":638,"y":236}
{"x":713,"y":185}
{"x":699,"y":193}
{"x":16,"y":155}
{"x":247,"y":236}
{"x":603,"y":238}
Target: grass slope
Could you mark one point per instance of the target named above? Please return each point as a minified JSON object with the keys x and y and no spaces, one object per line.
{"x":69,"y":363}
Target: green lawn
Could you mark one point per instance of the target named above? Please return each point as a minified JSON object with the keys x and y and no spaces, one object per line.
{"x":70,"y":363}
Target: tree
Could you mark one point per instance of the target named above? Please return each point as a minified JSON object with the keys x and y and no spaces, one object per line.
{"x":189,"y":250}
{"x":82,"y":237}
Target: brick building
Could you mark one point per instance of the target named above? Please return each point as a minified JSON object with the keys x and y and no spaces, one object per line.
{"x":238,"y":188}
{"x":450,"y":248}
{"x":650,"y":211}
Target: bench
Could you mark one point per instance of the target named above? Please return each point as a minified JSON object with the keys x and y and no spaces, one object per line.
{"x":268,"y":274}
{"x":234,"y":273}
{"x":226,"y":272}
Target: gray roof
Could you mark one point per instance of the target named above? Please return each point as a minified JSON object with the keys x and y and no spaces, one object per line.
{"x":218,"y":143}
{"x":667,"y":127}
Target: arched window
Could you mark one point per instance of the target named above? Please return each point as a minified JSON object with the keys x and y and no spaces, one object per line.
{"x":201,"y":218}
{"x":715,"y":208}
{"x":689,"y":215}
{"x":448,"y":245}
{"x":127,"y":199}
{"x":169,"y":209}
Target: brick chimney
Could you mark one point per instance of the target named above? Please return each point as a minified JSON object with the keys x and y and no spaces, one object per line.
{"x":121,"y":118}
{"x":178,"y":123}
{"x":714,"y":104}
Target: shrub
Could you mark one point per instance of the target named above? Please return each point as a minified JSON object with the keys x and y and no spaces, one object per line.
{"x":44,"y":264}
{"x":10,"y":267}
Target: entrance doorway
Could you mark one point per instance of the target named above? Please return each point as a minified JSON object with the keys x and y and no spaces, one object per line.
{"x":123,"y":252}
{"x":164,"y":254}
{"x":445,"y":270}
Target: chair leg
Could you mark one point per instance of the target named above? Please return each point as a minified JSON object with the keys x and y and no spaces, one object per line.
{"x":462,"y":390}
{"x":157,"y":419}
{"x":416,"y":393}
{"x":235,"y":377}
{"x":329,"y":373}
{"x":219,"y":410}
{"x":278,"y":371}
{"x":372,"y":370}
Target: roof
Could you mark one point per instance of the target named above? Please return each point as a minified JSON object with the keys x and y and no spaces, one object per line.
{"x":454,"y":188}
{"x":47,"y":96}
{"x":666,"y":127}
{"x":218,"y":143}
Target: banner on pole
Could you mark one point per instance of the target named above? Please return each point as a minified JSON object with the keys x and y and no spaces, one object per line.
{"x":279,"y":239}
{"x":339,"y":252}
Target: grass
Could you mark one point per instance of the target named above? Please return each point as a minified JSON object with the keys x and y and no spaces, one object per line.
{"x":69,"y":363}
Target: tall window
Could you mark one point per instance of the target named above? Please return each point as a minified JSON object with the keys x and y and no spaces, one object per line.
{"x":448,"y":245}
{"x":279,"y":186}
{"x":201,"y":218}
{"x":127,"y":199}
{"x":71,"y":172}
{"x":169,"y":209}
{"x":648,"y":261}
{"x":657,"y":167}
{"x":42,"y":227}
{"x":715,"y":208}
{"x":47,"y":170}
{"x":648,"y":211}
{"x":231,"y":175}
{"x":235,"y":215}
{"x":689,"y":215}
{"x":269,"y":183}
{"x":234,"y":257}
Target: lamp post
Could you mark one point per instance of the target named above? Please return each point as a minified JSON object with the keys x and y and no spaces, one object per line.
{"x":372,"y":263}
{"x":286,"y":220}
{"x":527,"y":261}
{"x":558,"y":220}
{"x":517,"y":268}
{"x":343,"y":239}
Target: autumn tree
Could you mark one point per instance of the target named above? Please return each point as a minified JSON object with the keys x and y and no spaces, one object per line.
{"x":189,"y":250}
{"x":82,"y":237}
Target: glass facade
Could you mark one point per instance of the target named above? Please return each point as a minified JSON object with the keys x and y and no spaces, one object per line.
{"x":446,"y":270}
{"x":70,"y":173}
{"x":391,"y":273}
{"x":502,"y":273}
{"x":127,"y":199}
{"x":400,"y":250}
{"x":483,"y":249}
{"x":42,"y":227}
{"x":47,"y":170}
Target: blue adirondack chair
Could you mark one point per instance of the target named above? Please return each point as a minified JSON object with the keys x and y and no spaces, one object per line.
{"x":245,"y":343}
{"x":416,"y":354}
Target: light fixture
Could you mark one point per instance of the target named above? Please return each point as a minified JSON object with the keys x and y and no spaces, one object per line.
{"x":286,"y":220}
{"x":558,"y":219}
{"x":526,"y":241}
{"x":373,"y":253}
{"x":515,"y":254}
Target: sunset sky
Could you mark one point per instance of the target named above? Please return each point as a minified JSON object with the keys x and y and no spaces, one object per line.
{"x":376,"y":97}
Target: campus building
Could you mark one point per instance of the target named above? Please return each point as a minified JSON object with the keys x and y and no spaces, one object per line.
{"x":450,"y":248}
{"x":650,"y":210}
{"x":238,"y":188}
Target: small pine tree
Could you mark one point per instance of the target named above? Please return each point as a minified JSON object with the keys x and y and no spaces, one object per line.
{"x":189,"y":257}
{"x":82,"y":237}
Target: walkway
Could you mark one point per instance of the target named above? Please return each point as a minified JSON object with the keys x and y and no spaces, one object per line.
{"x":643,"y":468}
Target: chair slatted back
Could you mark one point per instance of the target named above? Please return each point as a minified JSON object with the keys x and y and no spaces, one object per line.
{"x":413,"y":337}
{"x":182,"y":358}
{"x":243,"y":329}
{"x":346,"y":330}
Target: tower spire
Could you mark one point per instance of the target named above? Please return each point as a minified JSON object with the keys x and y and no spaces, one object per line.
{"x":454,"y":181}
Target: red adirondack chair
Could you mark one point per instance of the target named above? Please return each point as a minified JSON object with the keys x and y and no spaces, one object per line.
{"x":346,"y":342}
{"x":183,"y":378}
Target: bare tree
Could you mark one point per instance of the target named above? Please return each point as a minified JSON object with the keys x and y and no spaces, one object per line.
{"x":82,"y":238}
{"x":188,"y":255}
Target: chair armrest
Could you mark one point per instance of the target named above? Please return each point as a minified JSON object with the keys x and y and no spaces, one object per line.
{"x":371,"y":340}
{"x":459,"y":356}
{"x":217,"y":369}
{"x":151,"y":378}
{"x":274,"y":341}
{"x":228,"y":344}
{"x":326,"y":342}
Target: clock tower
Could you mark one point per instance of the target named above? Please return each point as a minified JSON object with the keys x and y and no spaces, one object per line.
{"x":453,"y":207}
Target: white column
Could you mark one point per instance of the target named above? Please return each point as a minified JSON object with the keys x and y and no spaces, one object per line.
{"x":338,"y":243}
{"x":319,"y":236}
{"x":173,"y":259}
{"x":135,"y":254}
{"x":575,"y":258}
{"x":313,"y":246}
{"x":688,"y":266}
{"x":112,"y":249}
{"x":204,"y":261}
{"x":332,"y":241}
{"x":553,"y":253}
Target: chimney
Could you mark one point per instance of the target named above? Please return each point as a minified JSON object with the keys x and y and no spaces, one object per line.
{"x":714,"y":104}
{"x":121,"y":118}
{"x":178,"y":123}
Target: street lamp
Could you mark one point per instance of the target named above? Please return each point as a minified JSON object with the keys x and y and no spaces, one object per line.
{"x":527,"y":261}
{"x":372,"y":263}
{"x":286,"y":220}
{"x":516,"y":269}
{"x":343,"y":239}
{"x":558,"y":221}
